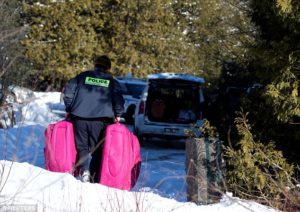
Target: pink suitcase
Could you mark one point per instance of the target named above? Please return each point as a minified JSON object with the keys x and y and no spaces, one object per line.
{"x":121,"y":159}
{"x":60,"y":150}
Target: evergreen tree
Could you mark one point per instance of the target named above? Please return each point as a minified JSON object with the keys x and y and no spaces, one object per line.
{"x":275,"y":60}
{"x":220,"y":30}
{"x":257,"y":170}
{"x":62,"y":38}
{"x":140,"y":36}
{"x":144,"y":38}
{"x":277,"y":55}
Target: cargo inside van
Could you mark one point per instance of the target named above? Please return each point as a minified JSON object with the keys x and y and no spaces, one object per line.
{"x":173,"y":101}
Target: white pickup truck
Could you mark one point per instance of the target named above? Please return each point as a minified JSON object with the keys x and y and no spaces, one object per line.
{"x":132,"y":89}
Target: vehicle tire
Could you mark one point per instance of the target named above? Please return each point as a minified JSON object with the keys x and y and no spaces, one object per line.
{"x":129,"y":114}
{"x":140,"y":137}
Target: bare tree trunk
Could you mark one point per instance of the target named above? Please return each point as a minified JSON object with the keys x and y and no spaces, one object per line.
{"x":204,"y":170}
{"x":10,"y":34}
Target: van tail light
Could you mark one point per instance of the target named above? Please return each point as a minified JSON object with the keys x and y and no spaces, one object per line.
{"x":142,"y":107}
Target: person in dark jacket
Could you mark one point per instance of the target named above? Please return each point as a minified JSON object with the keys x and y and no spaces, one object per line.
{"x":93,"y":100}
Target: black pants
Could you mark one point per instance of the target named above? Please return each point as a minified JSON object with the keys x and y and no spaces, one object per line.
{"x":89,"y":133}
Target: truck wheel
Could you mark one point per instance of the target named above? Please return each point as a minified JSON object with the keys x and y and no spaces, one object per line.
{"x":140,"y":137}
{"x":141,"y":140}
{"x":129,"y":114}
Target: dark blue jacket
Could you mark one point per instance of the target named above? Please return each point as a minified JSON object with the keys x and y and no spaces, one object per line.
{"x":94,"y":94}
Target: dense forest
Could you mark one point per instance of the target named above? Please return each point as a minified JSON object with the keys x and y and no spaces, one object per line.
{"x":247,"y":50}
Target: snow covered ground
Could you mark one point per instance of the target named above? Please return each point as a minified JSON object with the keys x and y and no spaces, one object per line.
{"x":26,"y":186}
